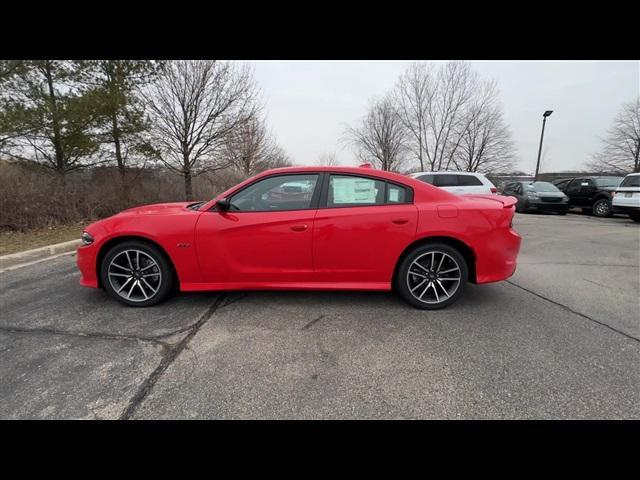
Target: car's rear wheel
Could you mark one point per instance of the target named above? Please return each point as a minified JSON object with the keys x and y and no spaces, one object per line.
{"x":432,"y":276}
{"x":602,"y":208}
{"x":136,"y":274}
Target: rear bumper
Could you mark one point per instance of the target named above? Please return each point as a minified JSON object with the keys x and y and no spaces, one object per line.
{"x":497,"y":260}
{"x":625,"y":209}
{"x":86,"y":261}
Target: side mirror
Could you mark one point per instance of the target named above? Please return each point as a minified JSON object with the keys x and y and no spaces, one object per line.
{"x":223,"y":204}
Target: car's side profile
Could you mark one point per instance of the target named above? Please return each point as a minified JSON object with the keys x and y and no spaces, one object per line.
{"x":321,"y":228}
{"x":591,"y":194}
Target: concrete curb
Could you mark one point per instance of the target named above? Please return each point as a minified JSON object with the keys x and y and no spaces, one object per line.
{"x":38,"y":254}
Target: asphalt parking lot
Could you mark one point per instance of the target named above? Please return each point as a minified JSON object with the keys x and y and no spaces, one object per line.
{"x":560,"y":339}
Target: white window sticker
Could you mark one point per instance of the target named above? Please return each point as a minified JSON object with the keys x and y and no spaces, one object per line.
{"x":353,"y":190}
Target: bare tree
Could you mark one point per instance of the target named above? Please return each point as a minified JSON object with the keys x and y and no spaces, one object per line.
{"x":380,"y":137}
{"x":432,"y":104}
{"x":413,"y":95}
{"x":485,"y":143}
{"x":251,"y":149}
{"x":621,"y":148}
{"x":327,"y":160}
{"x":247,"y":146}
{"x":194,"y":106}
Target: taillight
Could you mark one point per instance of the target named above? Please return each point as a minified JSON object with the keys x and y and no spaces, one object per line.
{"x":494,"y":190}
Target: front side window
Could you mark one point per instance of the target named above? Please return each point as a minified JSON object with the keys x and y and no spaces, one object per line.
{"x":284,"y":192}
{"x":354,"y":191}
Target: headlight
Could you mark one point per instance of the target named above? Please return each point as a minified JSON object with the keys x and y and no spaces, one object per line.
{"x":87,"y":239}
{"x":533,"y":197}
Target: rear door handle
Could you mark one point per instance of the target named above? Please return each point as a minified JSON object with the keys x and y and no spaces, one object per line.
{"x":299,"y":228}
{"x":400,"y":221}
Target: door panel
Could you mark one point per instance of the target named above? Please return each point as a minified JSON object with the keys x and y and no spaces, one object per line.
{"x":255,"y":246}
{"x":361,"y":244}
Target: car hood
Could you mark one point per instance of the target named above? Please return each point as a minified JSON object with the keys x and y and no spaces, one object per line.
{"x":549,"y":194}
{"x":158,"y":209}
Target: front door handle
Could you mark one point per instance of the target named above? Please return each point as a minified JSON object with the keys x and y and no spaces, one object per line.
{"x":299,"y":228}
{"x":400,"y":221}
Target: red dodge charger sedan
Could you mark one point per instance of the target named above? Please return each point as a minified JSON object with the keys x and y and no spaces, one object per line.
{"x":316,"y":228}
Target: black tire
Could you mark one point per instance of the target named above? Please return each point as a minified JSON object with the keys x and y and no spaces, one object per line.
{"x":164,"y":285}
{"x":562,"y":212}
{"x":602,"y":208}
{"x":404,"y":283}
{"x":520,"y":208}
{"x":635,"y":217}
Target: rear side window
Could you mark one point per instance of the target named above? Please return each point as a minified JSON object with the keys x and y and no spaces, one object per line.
{"x":631,"y":181}
{"x":426,"y":178}
{"x":446,"y":180}
{"x":354,"y":191}
{"x":468,"y":181}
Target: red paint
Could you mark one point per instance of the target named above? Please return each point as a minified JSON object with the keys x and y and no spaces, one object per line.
{"x":350,"y":248}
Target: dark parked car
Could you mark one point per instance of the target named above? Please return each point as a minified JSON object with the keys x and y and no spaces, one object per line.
{"x":537,"y":196}
{"x":591,"y":194}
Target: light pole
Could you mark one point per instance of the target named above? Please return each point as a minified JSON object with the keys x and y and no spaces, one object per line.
{"x":544,"y":120}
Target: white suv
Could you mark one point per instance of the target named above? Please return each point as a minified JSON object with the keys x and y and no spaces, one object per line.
{"x":458,"y":183}
{"x":626,"y":198}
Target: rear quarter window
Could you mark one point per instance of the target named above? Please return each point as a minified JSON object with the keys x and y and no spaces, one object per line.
{"x":468,"y":181}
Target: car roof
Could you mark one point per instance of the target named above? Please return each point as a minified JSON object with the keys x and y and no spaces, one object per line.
{"x":392,"y":176}
{"x":447,"y":172}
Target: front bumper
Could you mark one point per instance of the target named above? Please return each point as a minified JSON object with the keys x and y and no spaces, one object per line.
{"x":548,"y":206}
{"x":86,"y":256}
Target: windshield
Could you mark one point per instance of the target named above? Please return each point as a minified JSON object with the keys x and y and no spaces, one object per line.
{"x":540,"y":187}
{"x":608,"y":181}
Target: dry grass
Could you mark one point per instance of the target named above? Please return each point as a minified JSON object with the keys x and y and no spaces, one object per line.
{"x":13,"y":242}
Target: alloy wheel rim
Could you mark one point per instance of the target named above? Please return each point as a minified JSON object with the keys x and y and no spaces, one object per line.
{"x":602,"y":208}
{"x":134,"y":275}
{"x":433,"y":277}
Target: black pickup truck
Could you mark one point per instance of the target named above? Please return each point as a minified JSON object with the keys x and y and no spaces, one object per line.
{"x":592,"y":194}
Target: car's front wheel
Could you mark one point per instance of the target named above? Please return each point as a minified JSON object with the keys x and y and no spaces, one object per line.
{"x":602,"y":208}
{"x":635,"y":217}
{"x":137,"y":274}
{"x":432,"y":276}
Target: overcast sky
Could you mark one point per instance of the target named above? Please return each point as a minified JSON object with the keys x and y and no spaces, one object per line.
{"x":309,"y":102}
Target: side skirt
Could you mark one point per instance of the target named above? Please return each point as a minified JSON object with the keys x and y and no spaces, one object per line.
{"x":199,"y":287}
